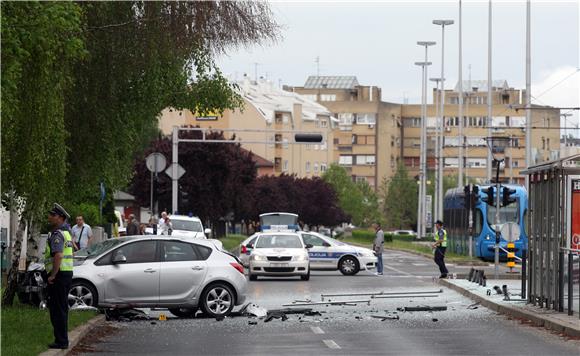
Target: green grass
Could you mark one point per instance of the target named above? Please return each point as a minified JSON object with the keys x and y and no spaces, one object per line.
{"x":26,"y":330}
{"x":407,"y":245}
{"x":232,"y":241}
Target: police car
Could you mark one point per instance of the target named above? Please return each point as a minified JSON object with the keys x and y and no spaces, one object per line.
{"x":279,"y":254}
{"x":325,"y":254}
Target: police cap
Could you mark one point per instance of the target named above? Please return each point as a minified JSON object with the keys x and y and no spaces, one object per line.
{"x":57,"y":209}
{"x":439,"y":222}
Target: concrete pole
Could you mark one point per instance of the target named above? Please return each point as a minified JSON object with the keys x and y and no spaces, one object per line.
{"x":489,"y":106}
{"x":461,"y":138}
{"x":174,"y":162}
{"x":528,"y":91}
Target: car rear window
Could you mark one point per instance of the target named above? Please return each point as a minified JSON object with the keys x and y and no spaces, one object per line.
{"x":279,"y":241}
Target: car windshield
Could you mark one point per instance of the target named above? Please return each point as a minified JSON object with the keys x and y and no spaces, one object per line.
{"x":279,"y":241}
{"x":186,"y":225}
{"x":506,"y":214}
{"x":98,"y":248}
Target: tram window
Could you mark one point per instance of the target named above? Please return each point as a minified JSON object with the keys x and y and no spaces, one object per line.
{"x":506,"y":214}
{"x":478,"y":222}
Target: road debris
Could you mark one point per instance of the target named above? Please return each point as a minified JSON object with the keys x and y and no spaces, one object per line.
{"x":473,"y":306}
{"x":422,"y":308}
{"x":252,"y":322}
{"x":277,"y":315}
{"x":386,"y":317}
{"x":344,"y":302}
{"x":116,"y":314}
{"x":402,"y":296}
{"x":371,"y":294}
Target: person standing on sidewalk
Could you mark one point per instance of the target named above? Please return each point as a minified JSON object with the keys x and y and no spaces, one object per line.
{"x":378,"y":247}
{"x":82,"y":234}
{"x":440,"y":245}
{"x":58,"y":259}
{"x":133,"y":227}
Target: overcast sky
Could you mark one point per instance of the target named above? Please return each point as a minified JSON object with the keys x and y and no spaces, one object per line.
{"x":376,"y":41}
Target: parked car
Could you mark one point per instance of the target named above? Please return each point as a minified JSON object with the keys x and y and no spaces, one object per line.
{"x":281,"y":254}
{"x":405,"y":233}
{"x":180,"y":274}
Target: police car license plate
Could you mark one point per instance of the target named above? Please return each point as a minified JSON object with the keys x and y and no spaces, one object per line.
{"x":280,"y":264}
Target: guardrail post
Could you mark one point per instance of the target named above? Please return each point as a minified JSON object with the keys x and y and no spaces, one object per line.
{"x":561,"y":281}
{"x":524,"y":273}
{"x":570,"y":283}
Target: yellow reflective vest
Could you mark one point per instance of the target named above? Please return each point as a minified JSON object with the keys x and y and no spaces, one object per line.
{"x":66,"y":265}
{"x":436,"y":237}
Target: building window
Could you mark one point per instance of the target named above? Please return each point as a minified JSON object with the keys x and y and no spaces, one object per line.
{"x":515,"y":163}
{"x":360,"y":179}
{"x":515,"y":142}
{"x":278,"y":139}
{"x":277,"y":164}
{"x":310,"y":96}
{"x":323,"y":167}
{"x":323,"y":123}
{"x":366,"y":119}
{"x":315,"y":167}
{"x":327,"y":97}
{"x":278,"y":118}
{"x":365,"y":160}
{"x":285,"y":167}
{"x":335,"y":141}
{"x":392,"y":162}
{"x":345,"y":120}
{"x":307,"y":167}
{"x":345,"y":160}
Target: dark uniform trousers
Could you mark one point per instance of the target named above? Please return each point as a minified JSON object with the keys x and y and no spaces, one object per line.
{"x":440,"y":259}
{"x":58,"y":306}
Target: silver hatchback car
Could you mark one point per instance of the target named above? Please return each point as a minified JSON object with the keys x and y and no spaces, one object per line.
{"x":153,"y":271}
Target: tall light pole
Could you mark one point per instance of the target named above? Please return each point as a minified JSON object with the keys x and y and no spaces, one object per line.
{"x":424,"y":144}
{"x":460,"y":109}
{"x":422,"y":172}
{"x":438,"y":129}
{"x":489,"y":99}
{"x":442,"y":23}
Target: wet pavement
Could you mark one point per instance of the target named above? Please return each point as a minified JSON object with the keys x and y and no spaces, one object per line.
{"x":340,"y":329}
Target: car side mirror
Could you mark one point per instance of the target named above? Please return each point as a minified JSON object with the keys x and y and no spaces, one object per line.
{"x":207,"y":231}
{"x":119,"y":258}
{"x":308,"y":246}
{"x":325,"y":244}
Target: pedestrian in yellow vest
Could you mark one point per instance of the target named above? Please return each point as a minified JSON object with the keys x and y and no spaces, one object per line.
{"x":58,"y":259}
{"x":440,"y":245}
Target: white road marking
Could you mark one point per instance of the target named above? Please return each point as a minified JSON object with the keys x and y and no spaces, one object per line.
{"x":389,"y":266}
{"x":316,"y":330}
{"x":419,"y":264}
{"x":331,"y":344}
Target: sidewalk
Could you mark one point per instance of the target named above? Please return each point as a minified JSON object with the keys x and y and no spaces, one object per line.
{"x":550,"y":319}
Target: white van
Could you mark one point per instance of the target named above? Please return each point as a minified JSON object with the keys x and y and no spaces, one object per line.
{"x":187,"y":227}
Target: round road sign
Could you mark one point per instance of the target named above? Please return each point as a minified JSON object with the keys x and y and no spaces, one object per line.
{"x":510,"y":232}
{"x":156,"y":162}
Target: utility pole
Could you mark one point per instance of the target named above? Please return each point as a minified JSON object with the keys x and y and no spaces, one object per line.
{"x":528,"y":91}
{"x":461,"y":138}
{"x":489,"y":99}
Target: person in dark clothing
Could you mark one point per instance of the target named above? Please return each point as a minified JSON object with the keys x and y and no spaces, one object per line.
{"x":133,"y":226}
{"x":440,"y":245}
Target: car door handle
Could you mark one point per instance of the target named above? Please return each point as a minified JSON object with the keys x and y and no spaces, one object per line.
{"x":197,"y":268}
{"x":149,"y":270}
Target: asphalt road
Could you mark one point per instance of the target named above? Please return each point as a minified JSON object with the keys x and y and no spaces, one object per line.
{"x":340,"y":330}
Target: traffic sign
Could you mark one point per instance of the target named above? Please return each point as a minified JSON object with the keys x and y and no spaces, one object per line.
{"x":510,"y":231}
{"x":155,"y":162}
{"x":180,"y":171}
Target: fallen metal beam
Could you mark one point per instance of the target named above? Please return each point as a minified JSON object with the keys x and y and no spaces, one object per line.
{"x":378,"y":293}
{"x":385,"y":317}
{"x":344,"y":302}
{"x":403,"y":296}
{"x":422,"y":308}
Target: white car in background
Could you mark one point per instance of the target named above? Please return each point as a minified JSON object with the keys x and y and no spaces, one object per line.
{"x":325,"y":254}
{"x":183,"y":226}
{"x":279,"y":254}
{"x":329,"y":254}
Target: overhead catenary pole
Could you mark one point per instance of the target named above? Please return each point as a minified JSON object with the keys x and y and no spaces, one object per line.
{"x":460,"y":109}
{"x":528,"y":92}
{"x":489,"y":99}
{"x":174,"y":162}
{"x":440,"y":192}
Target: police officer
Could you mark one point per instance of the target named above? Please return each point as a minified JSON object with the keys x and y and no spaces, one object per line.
{"x":440,"y":245}
{"x":58,"y":257}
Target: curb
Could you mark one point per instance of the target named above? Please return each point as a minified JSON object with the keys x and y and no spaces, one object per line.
{"x":538,"y":320}
{"x":75,"y":336}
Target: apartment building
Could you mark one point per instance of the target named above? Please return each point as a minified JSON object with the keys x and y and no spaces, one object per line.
{"x":273,"y":115}
{"x":367,"y":137}
{"x":508,"y":119}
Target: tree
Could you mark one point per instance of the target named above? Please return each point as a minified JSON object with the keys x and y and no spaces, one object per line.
{"x":400,"y":196}
{"x":357,"y":200}
{"x":216,"y":177}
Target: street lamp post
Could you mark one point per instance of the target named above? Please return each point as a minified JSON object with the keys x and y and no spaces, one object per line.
{"x":438,"y":133}
{"x":423,"y":160}
{"x":439,"y":190}
{"x":496,"y":143}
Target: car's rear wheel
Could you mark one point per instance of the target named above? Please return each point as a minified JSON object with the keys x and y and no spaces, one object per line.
{"x":217,"y":300}
{"x":183,"y":312}
{"x":348,"y":266}
{"x":81,"y":294}
{"x":306,"y":277}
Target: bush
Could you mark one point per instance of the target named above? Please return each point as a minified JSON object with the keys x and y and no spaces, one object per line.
{"x":369,"y":236}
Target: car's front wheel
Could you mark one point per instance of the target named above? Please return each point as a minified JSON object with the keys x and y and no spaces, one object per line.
{"x":306,"y":277}
{"x":217,"y":300}
{"x":348,"y":266}
{"x":82,"y":294}
{"x":183,"y":312}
